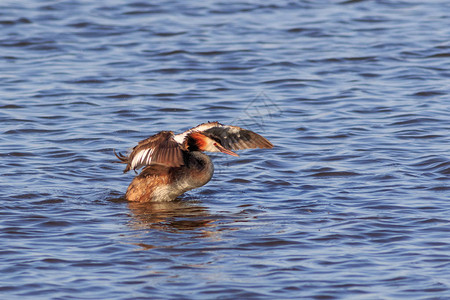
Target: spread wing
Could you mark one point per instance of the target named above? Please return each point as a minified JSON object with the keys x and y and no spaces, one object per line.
{"x":160,"y":148}
{"x":237,"y":138}
{"x":230,"y":137}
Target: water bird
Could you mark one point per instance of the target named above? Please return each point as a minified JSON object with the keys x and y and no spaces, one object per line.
{"x":175,"y":163}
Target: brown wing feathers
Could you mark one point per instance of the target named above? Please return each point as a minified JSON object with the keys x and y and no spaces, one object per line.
{"x":236,"y":138}
{"x":167,"y":149}
{"x":160,"y":148}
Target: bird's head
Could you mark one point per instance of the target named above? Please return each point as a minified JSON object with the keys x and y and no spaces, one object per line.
{"x":200,"y":142}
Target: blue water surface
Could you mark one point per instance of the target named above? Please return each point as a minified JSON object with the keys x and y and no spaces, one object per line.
{"x":351,"y":203}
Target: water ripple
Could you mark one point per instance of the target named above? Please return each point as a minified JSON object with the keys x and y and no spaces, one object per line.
{"x":350,"y":203}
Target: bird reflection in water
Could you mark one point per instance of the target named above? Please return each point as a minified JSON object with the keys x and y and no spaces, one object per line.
{"x":174,"y":217}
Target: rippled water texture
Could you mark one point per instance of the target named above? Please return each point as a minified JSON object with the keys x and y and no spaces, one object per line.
{"x":353,"y":202}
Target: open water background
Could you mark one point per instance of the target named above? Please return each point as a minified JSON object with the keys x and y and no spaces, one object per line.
{"x":353,"y":202}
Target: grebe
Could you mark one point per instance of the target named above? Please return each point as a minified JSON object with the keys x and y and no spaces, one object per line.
{"x":174,"y":164}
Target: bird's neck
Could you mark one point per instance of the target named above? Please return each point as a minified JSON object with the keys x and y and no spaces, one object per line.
{"x":199,"y":168}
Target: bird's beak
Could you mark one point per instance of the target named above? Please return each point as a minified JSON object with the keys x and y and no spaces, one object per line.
{"x":223,"y":150}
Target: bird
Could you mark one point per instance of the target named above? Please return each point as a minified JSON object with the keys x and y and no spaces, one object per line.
{"x":175,"y":163}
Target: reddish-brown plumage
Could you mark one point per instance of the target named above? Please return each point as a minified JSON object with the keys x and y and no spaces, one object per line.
{"x":200,"y":140}
{"x":143,"y":186}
